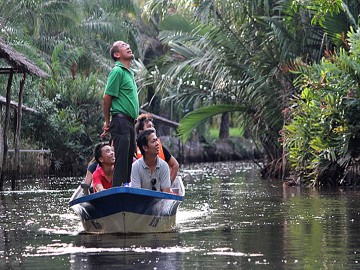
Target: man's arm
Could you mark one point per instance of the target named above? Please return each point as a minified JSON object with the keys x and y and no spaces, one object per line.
{"x":99,"y":187}
{"x":168,"y":190}
{"x":174,"y":168}
{"x":172,"y":162}
{"x":165,"y":181}
{"x":88,"y":178}
{"x":107,"y":99}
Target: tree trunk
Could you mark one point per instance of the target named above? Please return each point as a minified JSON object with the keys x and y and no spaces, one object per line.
{"x":224,"y":126}
{"x":6,"y":129}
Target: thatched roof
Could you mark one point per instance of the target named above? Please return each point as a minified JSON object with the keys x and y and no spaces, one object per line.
{"x":19,"y":62}
{"x":14,"y":105}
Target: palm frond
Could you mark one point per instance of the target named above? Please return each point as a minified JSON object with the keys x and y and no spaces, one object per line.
{"x":199,"y":116}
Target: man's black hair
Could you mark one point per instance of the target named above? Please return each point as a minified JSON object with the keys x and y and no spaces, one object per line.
{"x":97,"y":151}
{"x":142,"y":139}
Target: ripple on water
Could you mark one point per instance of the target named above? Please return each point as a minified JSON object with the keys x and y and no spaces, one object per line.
{"x":63,"y":249}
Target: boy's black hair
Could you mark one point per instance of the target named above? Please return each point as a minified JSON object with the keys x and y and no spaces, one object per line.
{"x":97,"y":151}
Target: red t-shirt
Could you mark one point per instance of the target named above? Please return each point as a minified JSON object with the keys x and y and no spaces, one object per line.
{"x":99,"y":178}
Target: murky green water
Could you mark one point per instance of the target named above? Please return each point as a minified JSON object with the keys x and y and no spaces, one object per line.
{"x":230,"y":219}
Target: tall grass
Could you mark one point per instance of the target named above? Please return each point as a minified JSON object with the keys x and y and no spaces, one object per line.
{"x":236,"y":132}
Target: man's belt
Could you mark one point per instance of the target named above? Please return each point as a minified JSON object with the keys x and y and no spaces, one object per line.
{"x":122,"y":115}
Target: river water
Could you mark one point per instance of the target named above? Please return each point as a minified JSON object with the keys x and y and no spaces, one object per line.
{"x":230,"y":219}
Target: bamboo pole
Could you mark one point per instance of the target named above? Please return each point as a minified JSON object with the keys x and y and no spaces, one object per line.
{"x":162,"y":119}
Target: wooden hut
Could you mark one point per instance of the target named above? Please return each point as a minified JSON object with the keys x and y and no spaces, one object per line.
{"x":15,"y":63}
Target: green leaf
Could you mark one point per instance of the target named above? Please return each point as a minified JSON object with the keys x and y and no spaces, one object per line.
{"x":199,"y":116}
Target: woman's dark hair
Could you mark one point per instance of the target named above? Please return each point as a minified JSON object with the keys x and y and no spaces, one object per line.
{"x":143,"y":139}
{"x":97,"y":151}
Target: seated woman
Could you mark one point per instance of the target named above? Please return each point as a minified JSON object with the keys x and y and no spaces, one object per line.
{"x":86,"y":184}
{"x":150,"y":171}
{"x":103,"y":175}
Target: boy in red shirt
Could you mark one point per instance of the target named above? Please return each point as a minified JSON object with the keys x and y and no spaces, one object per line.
{"x":103,"y":175}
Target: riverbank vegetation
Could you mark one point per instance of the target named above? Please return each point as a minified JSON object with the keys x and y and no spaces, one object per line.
{"x":282,"y":73}
{"x":322,"y":136}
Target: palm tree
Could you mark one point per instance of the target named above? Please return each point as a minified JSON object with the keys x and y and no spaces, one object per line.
{"x":236,"y":56}
{"x":83,"y":29}
{"x":70,"y":40}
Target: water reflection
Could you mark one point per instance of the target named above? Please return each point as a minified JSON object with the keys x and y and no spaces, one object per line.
{"x":130,"y":251}
{"x":95,"y":251}
{"x":230,"y":219}
{"x":321,"y":229}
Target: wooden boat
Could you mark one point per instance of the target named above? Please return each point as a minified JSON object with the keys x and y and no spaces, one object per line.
{"x":128,"y":210}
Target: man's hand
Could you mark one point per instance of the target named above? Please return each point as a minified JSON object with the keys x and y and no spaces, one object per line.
{"x":106,"y":130}
{"x":107,"y":99}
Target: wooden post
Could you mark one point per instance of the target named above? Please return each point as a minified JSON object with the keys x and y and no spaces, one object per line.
{"x":6,"y":128}
{"x":1,"y":144}
{"x":180,"y":152}
{"x":41,"y":157}
{"x":16,"y":167}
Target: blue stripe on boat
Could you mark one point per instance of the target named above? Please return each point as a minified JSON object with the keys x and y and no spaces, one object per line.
{"x":126,"y":199}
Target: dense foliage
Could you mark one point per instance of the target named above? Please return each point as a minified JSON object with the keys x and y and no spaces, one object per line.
{"x":234,"y":56}
{"x":323,"y":133}
{"x":70,"y":41}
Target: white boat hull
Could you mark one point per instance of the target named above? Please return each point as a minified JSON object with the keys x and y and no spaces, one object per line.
{"x":127,"y":210}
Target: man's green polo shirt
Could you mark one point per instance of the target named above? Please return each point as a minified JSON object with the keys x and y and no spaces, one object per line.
{"x":122,"y":87}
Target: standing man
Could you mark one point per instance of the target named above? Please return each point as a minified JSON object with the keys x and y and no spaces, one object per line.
{"x":121,"y":103}
{"x":150,"y":171}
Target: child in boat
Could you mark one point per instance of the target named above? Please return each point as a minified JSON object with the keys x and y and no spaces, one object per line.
{"x":150,"y":171}
{"x":103,"y":176}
